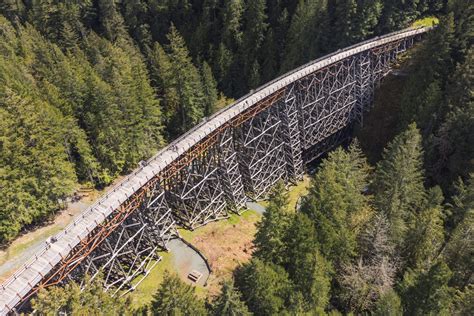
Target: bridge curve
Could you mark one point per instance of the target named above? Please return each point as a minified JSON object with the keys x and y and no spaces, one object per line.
{"x":238,"y":152}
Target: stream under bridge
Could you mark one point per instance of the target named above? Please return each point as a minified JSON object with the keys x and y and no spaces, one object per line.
{"x":235,"y":155}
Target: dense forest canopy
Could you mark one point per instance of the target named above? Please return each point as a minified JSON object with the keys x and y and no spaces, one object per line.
{"x":89,"y":88}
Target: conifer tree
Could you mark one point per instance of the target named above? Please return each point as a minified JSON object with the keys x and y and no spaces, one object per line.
{"x":229,"y":302}
{"x":256,"y":25}
{"x":272,"y":229}
{"x":111,"y":21}
{"x":265,"y":287}
{"x":430,"y":287}
{"x":307,"y":268}
{"x":75,"y":299}
{"x":232,"y":24}
{"x":36,"y":173}
{"x":388,"y":305}
{"x":398,"y":183}
{"x":458,"y":251}
{"x":344,"y":24}
{"x":210,"y":89}
{"x":174,"y":297}
{"x":304,"y":40}
{"x":336,"y":204}
{"x":183,"y":99}
{"x":12,"y":9}
{"x":426,"y":234}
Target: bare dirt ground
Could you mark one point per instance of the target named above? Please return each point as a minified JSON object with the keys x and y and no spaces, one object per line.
{"x":226,"y":244}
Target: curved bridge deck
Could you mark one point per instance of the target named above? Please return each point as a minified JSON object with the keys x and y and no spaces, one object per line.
{"x":237,"y":153}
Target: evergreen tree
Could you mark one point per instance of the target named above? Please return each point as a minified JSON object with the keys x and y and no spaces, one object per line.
{"x":427,"y":292}
{"x":271,"y":230}
{"x":344,"y":23}
{"x":307,"y":268}
{"x":368,"y":16}
{"x":265,"y":287}
{"x":174,"y":297}
{"x":463,"y":301}
{"x":304,"y":40}
{"x":336,"y":204}
{"x":229,"y":302}
{"x":35,"y":172}
{"x":398,"y":183}
{"x":422,"y":100}
{"x":180,"y":83}
{"x":76,"y":300}
{"x":451,"y":153}
{"x":111,"y":22}
{"x":12,"y":9}
{"x":388,"y":305}
{"x":210,"y":89}
{"x":252,"y":40}
{"x":426,"y":235}
{"x":232,"y":24}
{"x":458,"y":251}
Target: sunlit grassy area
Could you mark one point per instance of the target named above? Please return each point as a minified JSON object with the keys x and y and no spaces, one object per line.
{"x":426,"y":21}
{"x":233,"y":220}
{"x":226,"y":244}
{"x":295,"y":192}
{"x":144,"y":292}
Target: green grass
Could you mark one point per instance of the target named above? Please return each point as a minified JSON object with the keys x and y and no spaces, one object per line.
{"x":301,"y":189}
{"x":294,"y":193}
{"x":143,"y":294}
{"x":234,"y":219}
{"x":426,"y":21}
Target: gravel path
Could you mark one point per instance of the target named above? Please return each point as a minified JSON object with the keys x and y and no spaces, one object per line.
{"x":256,"y":207}
{"x":29,"y":243}
{"x":186,"y":259}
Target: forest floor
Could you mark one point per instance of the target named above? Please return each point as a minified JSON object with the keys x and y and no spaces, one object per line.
{"x":25,"y":246}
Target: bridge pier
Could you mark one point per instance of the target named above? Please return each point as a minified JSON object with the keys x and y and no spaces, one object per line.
{"x":196,"y":192}
{"x":233,"y":186}
{"x":131,"y":251}
{"x":289,"y":115}
{"x":260,"y":148}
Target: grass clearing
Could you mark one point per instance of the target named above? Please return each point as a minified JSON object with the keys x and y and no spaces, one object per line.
{"x":222,"y":242}
{"x":226,"y":244}
{"x":297,"y":191}
{"x":143,"y":294}
{"x":16,"y":248}
{"x":294,"y":192}
{"x":426,"y":22}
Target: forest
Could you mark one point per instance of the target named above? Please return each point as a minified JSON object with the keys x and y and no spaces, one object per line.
{"x":89,"y":88}
{"x":389,"y":237}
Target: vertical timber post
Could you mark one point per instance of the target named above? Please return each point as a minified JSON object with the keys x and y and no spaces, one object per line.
{"x":289,"y":114}
{"x":229,"y":170}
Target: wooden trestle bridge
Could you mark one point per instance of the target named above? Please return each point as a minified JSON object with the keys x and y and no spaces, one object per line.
{"x":239,"y":152}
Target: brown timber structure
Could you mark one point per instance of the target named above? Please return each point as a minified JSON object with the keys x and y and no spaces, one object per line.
{"x":238,"y":153}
